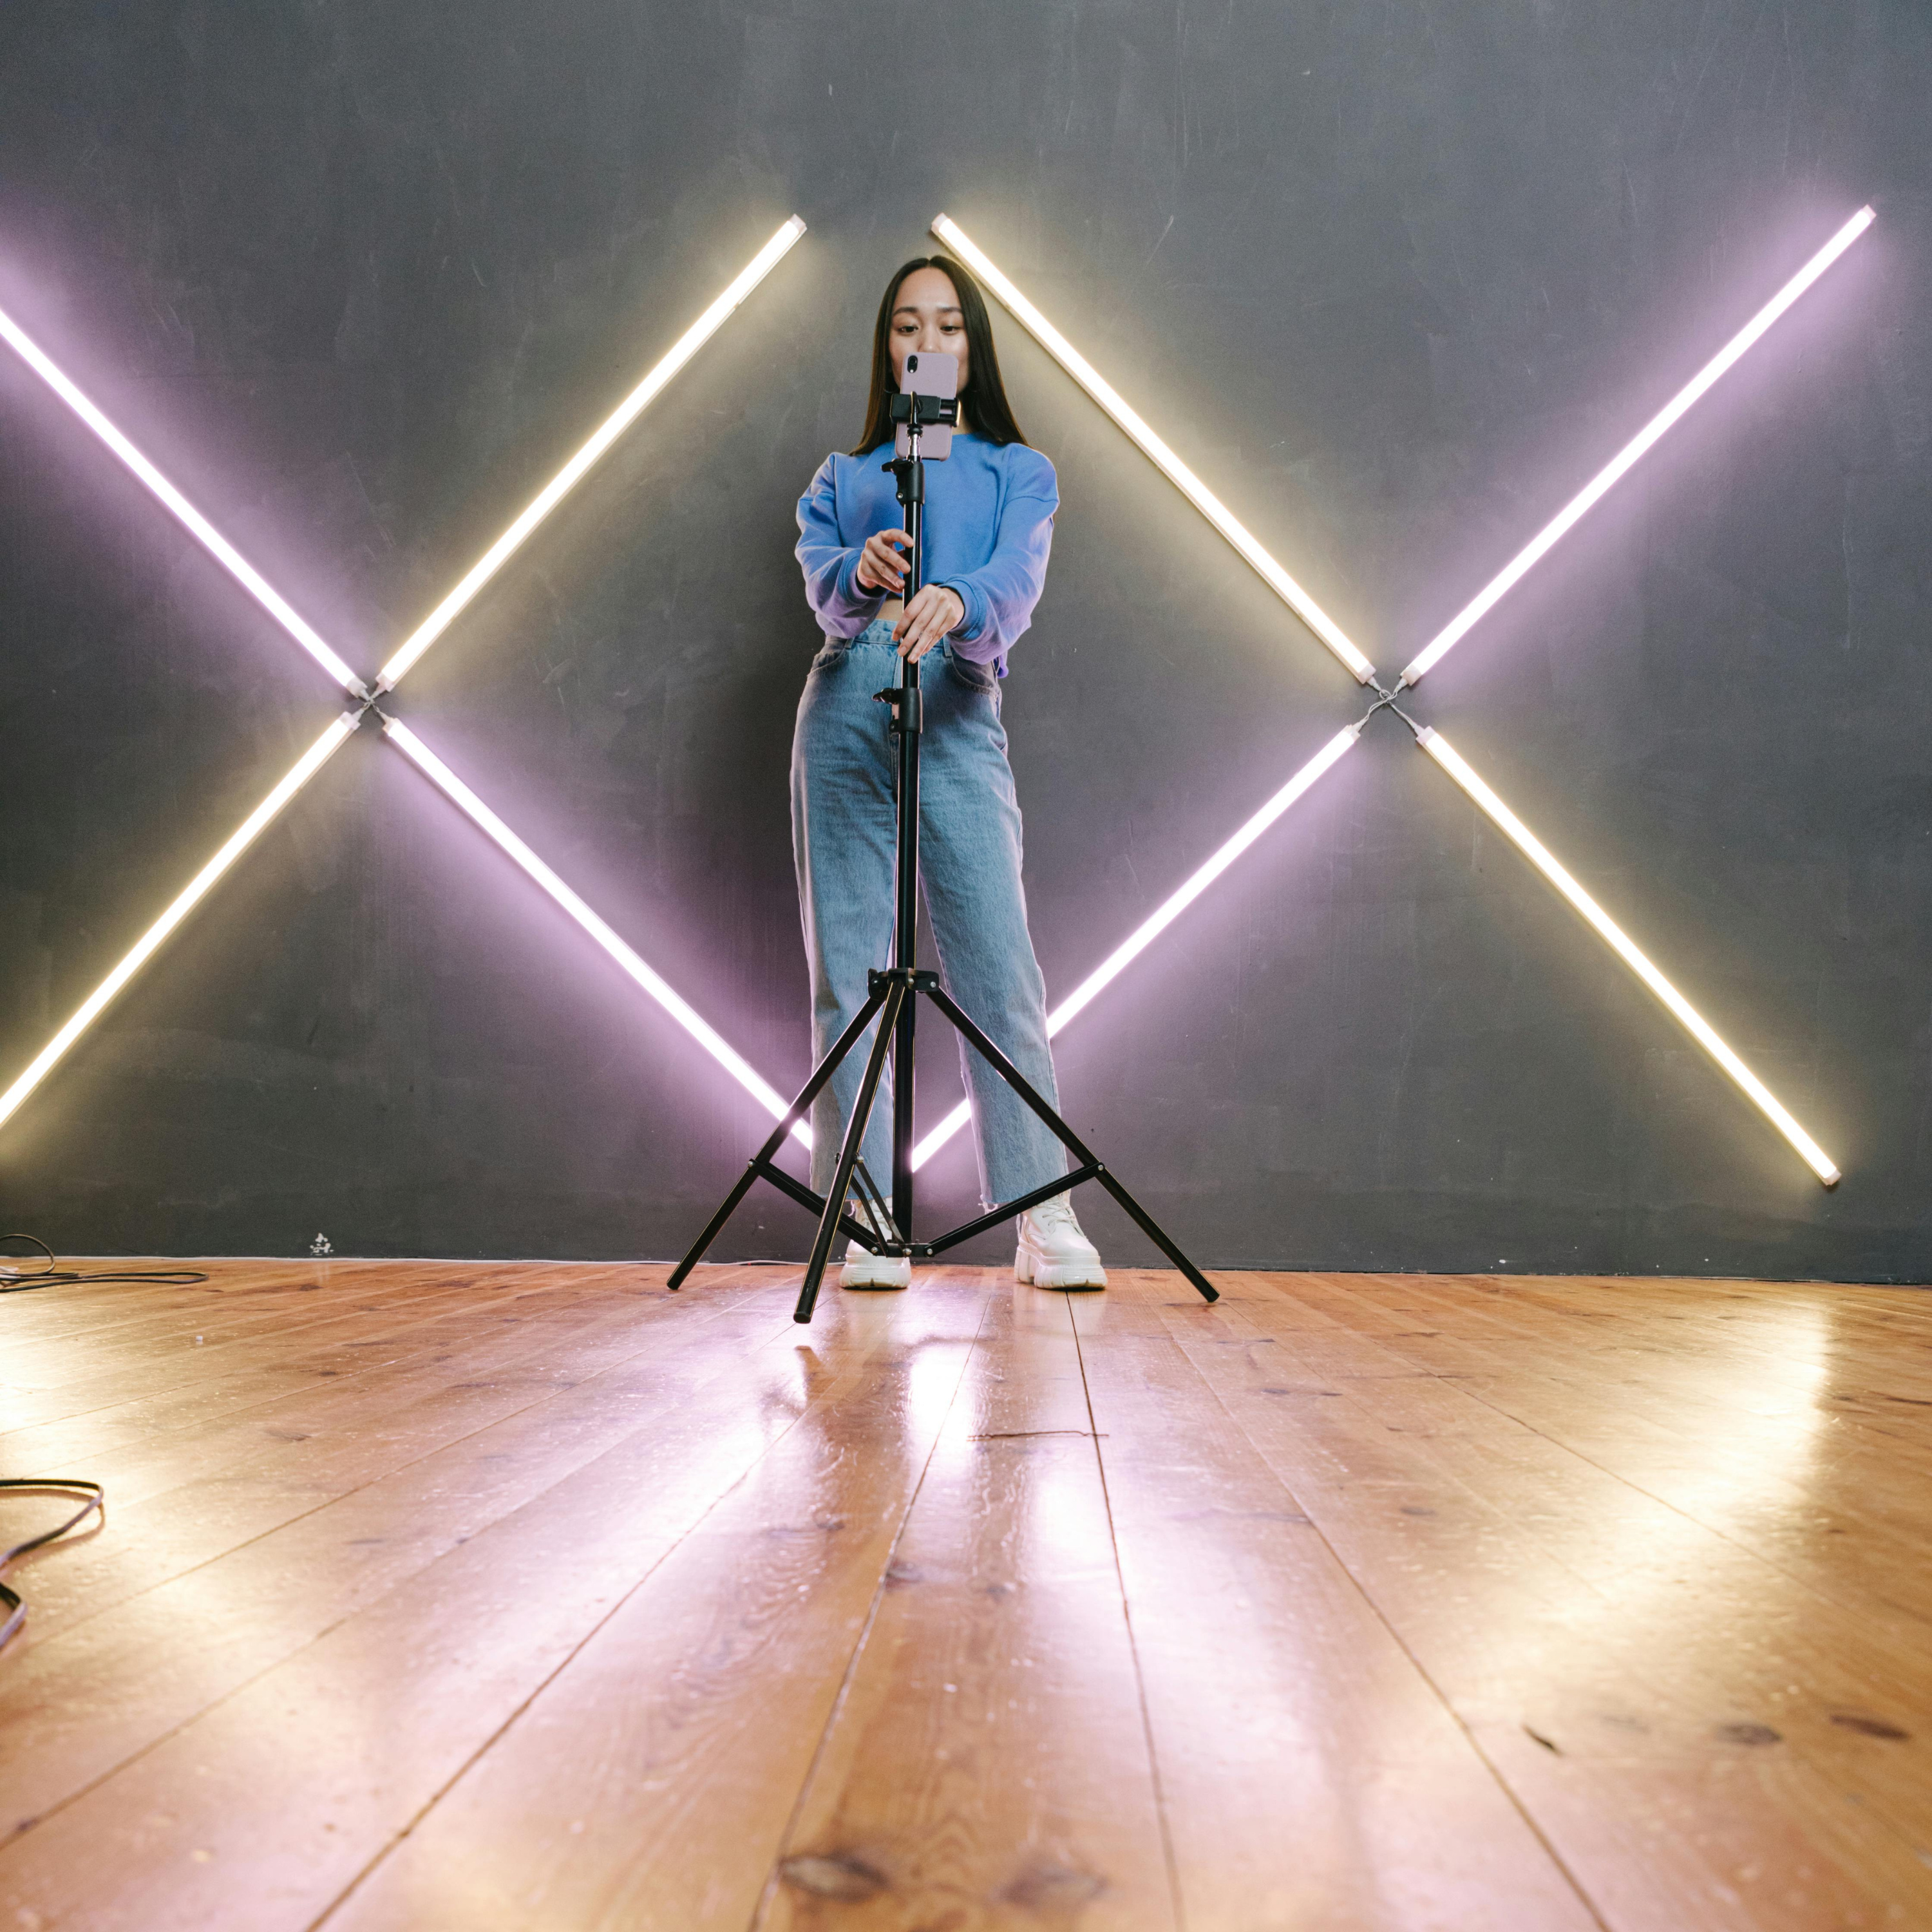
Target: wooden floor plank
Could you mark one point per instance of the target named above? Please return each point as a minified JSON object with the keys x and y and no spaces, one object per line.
{"x":380,"y":1336}
{"x":1313,"y":1775}
{"x":184,"y":1502}
{"x":339,"y":1335}
{"x":235,"y":1304}
{"x":1782,"y":1345}
{"x":1489,"y":1557}
{"x":648,"y":1785}
{"x":989,"y":1763}
{"x":1743,"y":1432}
{"x":345,"y":1743}
{"x":233,"y":1316}
{"x":1838,"y":1599}
{"x":146,"y":1446}
{"x":527,"y":1595}
{"x":155,"y":1661}
{"x":140,"y":1433}
{"x":1767,"y":1498}
{"x":95,"y":1308}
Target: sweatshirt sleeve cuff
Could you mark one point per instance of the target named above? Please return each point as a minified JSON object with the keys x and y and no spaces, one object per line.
{"x":970,"y":626}
{"x":852,"y":593}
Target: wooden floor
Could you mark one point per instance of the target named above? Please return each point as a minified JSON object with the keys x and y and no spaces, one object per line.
{"x":476,"y":1598}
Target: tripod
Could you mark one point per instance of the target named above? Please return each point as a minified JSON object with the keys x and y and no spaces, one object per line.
{"x":893,"y":997}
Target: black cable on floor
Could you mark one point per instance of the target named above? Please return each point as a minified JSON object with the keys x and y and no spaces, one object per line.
{"x":59,"y":1486}
{"x":13,"y":1281}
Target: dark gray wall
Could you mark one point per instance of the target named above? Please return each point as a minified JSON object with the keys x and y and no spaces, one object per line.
{"x":1394,"y":277}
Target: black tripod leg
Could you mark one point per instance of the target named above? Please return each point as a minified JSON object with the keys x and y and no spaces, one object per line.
{"x":715,"y":1226}
{"x":879,"y":1214}
{"x":848,"y":1153}
{"x":1021,"y":1085}
{"x":808,"y":1093}
{"x":1151,"y":1229}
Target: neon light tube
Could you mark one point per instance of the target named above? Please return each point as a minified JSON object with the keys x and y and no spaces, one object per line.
{"x":1157,"y":452}
{"x":567,"y":479}
{"x":1620,"y":465}
{"x":1150,"y":928}
{"x":1680,"y":1008}
{"x":217,"y":546}
{"x":197,"y":888}
{"x":686,"y":1015}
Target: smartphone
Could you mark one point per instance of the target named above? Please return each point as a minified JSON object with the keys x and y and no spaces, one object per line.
{"x":931,"y":372}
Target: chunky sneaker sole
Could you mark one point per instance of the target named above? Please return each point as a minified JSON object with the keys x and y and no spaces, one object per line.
{"x":1031,"y":1269}
{"x":864,"y":1270}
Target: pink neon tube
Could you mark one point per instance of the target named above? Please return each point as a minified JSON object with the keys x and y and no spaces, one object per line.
{"x":211,"y":539}
{"x":627,"y":958}
{"x":1626,"y":459}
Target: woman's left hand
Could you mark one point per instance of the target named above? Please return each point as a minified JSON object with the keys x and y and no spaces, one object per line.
{"x":928,"y":618}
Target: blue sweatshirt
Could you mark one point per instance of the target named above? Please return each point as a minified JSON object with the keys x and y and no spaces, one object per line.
{"x":989,"y":525}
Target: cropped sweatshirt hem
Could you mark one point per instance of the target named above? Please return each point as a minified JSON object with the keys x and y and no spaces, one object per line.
{"x":989,"y":510}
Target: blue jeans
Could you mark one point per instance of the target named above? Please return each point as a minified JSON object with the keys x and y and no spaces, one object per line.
{"x":844,"y":823}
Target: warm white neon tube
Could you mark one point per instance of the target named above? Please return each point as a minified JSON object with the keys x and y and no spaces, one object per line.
{"x":1164,"y":459}
{"x":298,"y":775}
{"x":566,"y":479}
{"x":686,"y":1015}
{"x":224,"y":553}
{"x":1620,"y":465}
{"x":1681,"y":1010}
{"x":1157,"y":922}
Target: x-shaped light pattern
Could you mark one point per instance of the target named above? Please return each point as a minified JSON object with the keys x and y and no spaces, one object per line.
{"x":1432,"y":742}
{"x":366,"y":700}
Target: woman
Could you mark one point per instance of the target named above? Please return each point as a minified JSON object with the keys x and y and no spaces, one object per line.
{"x":989,"y":525}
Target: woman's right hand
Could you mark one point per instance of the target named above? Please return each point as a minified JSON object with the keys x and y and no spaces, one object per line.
{"x":881,"y":569}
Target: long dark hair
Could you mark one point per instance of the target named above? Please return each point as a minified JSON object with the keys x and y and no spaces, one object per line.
{"x":985,"y":394}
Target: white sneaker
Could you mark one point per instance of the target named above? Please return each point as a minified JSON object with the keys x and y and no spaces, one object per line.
{"x":1053,"y":1251}
{"x":868,"y":1270}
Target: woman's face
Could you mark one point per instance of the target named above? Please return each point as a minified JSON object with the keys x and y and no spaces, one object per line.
{"x":925,"y":315}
